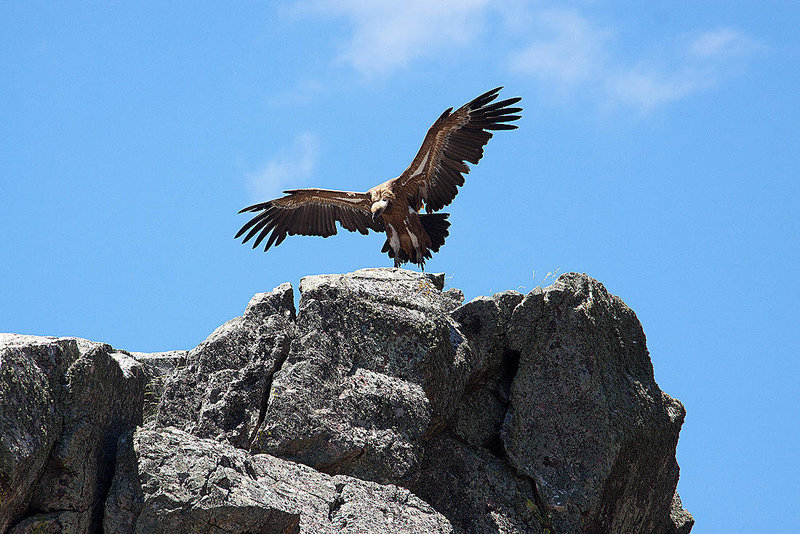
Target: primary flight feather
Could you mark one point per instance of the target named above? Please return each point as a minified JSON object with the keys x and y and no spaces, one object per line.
{"x":430,"y":182}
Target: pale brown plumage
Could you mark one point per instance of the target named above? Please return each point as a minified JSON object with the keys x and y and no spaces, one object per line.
{"x":431,"y":181}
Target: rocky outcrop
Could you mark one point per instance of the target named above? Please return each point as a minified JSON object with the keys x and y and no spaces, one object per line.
{"x":219,"y":392}
{"x":382,"y":404}
{"x":586,"y":418}
{"x":65,"y":402}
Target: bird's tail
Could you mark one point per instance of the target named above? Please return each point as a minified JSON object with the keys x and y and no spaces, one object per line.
{"x":436,"y":226}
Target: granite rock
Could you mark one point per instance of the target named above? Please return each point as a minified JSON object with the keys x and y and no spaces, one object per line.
{"x":170,"y":481}
{"x":586,"y":419}
{"x":65,"y":403}
{"x":384,"y":404}
{"x":220,"y":390}
{"x":376,"y":365}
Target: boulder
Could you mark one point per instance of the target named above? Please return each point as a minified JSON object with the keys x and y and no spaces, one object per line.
{"x":67,"y":401}
{"x":170,"y":481}
{"x":377,"y":364}
{"x":586,"y":419}
{"x":221,"y":390}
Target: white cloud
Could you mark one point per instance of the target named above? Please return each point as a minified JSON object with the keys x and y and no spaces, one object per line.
{"x":388,"y":35}
{"x":572,"y":54}
{"x":568,"y":48}
{"x":722,"y":43}
{"x":568,"y":53}
{"x":647,"y":89}
{"x":288,"y":168}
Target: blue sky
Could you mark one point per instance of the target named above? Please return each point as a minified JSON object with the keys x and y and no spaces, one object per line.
{"x":658,"y":152}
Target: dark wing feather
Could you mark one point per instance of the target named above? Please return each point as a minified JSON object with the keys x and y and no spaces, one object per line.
{"x":308,"y":212}
{"x":454,"y":140}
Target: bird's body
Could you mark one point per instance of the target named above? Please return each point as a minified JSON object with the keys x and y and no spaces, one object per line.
{"x":393,"y":207}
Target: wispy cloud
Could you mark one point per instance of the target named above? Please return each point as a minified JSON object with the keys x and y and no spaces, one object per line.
{"x":565,"y":51}
{"x":567,"y":48}
{"x":287,"y":168}
{"x":388,"y":35}
{"x":574,"y":55}
{"x":647,"y":89}
{"x":723,"y":43}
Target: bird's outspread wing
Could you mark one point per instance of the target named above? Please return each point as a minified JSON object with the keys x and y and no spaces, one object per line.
{"x":308,"y":212}
{"x":454,"y":139}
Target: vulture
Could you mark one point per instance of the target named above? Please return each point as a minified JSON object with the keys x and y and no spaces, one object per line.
{"x":394,"y":207}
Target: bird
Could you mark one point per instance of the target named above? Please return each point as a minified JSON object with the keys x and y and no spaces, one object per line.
{"x":394,"y":207}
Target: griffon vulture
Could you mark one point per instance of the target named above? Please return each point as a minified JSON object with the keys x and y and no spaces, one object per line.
{"x":431,"y":181}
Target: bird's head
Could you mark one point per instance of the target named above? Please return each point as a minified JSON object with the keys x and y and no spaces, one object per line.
{"x":378,"y":208}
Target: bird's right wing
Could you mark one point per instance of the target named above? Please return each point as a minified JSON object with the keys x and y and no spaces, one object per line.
{"x":308,"y":212}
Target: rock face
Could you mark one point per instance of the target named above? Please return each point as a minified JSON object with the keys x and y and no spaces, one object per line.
{"x":170,"y":481}
{"x":376,"y":364}
{"x":586,"y":418}
{"x":220,"y":390}
{"x":65,"y":402}
{"x":383,"y":405}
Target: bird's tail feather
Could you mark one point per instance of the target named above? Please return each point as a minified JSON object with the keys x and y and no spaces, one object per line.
{"x":436,"y":226}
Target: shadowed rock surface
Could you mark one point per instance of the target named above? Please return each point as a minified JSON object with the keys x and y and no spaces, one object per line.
{"x":383,"y":404}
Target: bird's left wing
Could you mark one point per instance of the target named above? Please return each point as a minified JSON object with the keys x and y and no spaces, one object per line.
{"x":454,"y":139}
{"x":308,"y":212}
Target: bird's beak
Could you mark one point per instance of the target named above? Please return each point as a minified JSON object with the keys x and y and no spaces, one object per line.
{"x":378,"y":209}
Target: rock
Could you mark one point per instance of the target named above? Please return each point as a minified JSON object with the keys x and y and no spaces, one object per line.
{"x":475,"y":490}
{"x":92,"y":394}
{"x":171,"y":481}
{"x":479,"y":417}
{"x":469,"y":454}
{"x":157,"y":366}
{"x":377,"y":364}
{"x":452,"y":298}
{"x":54,"y":523}
{"x":384,"y":405}
{"x":681,"y":521}
{"x":221,"y":390}
{"x":586,"y":419}
{"x":31,"y":368}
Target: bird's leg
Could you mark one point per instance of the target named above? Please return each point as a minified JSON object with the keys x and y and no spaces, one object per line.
{"x":396,"y":263}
